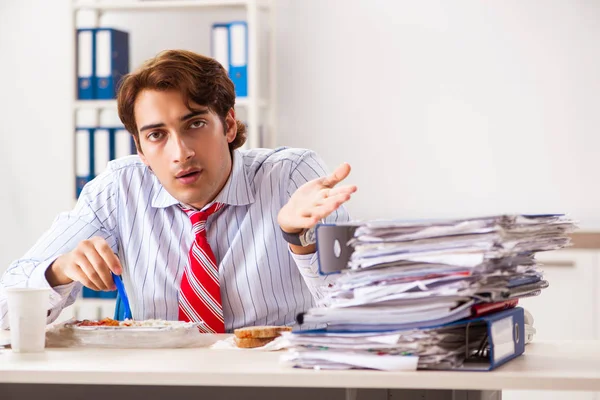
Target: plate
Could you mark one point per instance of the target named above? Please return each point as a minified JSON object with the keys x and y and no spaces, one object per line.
{"x":150,"y":325}
{"x":147,"y":334}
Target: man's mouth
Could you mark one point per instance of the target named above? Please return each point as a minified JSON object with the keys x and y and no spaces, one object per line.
{"x":189,"y":176}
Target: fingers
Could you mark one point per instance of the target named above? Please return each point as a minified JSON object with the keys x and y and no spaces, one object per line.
{"x":93,"y":261}
{"x":348,"y":189}
{"x":315,"y":200}
{"x":110,"y":258}
{"x":90,"y":277}
{"x":328,"y":206}
{"x":311,"y":216}
{"x":99,"y":269}
{"x":340,"y":173}
{"x":77,"y":273}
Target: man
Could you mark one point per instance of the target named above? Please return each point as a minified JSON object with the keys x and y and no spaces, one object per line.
{"x":198,"y":230}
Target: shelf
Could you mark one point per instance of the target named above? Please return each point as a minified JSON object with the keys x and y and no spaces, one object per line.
{"x":94,"y":104}
{"x":99,"y":104}
{"x":260,"y":109}
{"x":125,"y":5}
{"x":245,"y":102}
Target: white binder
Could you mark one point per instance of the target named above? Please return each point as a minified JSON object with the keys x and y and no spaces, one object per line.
{"x":85,"y":64}
{"x":101,"y":150}
{"x":123,"y":143}
{"x":220,"y":44}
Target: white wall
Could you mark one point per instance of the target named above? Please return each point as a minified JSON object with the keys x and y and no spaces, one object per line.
{"x":443,"y":108}
{"x":448,"y":108}
{"x":35,"y":139}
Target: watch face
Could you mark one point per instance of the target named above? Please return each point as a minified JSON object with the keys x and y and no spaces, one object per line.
{"x":310,"y":236}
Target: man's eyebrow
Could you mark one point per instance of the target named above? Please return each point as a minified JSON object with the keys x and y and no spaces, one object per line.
{"x":184,"y":118}
{"x":194,"y":114}
{"x":152,"y":126}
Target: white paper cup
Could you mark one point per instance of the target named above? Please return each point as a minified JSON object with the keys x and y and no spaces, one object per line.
{"x":27,"y":313}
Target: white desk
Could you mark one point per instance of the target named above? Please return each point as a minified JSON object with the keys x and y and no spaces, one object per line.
{"x":573,"y":365}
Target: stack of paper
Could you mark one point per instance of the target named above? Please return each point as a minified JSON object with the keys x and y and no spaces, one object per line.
{"x":409,"y":280}
{"x":392,"y":351}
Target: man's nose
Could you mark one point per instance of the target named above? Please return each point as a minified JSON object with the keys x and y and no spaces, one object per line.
{"x":183,"y":152}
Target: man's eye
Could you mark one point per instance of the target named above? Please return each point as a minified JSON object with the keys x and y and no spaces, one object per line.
{"x":197,"y":124}
{"x":154,"y":135}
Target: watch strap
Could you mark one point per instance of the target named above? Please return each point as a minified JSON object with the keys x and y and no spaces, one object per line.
{"x":292,"y":238}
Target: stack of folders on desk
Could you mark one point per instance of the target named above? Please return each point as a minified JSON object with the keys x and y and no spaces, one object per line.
{"x":427,"y":294}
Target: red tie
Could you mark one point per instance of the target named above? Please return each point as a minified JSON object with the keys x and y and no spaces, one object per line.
{"x":200,"y":293}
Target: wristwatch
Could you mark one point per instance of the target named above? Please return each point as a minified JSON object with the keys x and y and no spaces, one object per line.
{"x":304,"y":238}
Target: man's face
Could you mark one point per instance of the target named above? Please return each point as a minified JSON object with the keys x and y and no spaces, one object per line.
{"x":186,"y":149}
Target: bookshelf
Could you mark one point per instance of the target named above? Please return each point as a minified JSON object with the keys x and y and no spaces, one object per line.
{"x":257,"y":110}
{"x":259,"y":105}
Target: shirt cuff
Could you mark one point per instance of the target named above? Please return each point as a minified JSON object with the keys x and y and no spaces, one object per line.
{"x":58,"y":294}
{"x":307,"y":263}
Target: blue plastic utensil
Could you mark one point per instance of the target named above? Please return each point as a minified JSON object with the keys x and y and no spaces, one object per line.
{"x":122,"y":296}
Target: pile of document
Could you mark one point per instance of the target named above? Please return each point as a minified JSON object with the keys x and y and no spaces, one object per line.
{"x":411,"y":290}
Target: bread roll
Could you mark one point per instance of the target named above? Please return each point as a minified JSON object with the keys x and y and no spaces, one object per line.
{"x":249,"y":343}
{"x":260,"y":332}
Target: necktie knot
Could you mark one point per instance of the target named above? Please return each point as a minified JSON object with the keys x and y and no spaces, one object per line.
{"x":199,"y":218}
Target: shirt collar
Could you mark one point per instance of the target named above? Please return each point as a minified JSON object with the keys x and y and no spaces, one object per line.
{"x":236,"y":192}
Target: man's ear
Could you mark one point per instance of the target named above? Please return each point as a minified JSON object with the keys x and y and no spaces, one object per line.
{"x":230,"y":126}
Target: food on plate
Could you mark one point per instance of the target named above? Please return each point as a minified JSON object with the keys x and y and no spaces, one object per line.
{"x":257,"y":336}
{"x":102,"y":322}
{"x":148,"y":323}
{"x":128,"y":334}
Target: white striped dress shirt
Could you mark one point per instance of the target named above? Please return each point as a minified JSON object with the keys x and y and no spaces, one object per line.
{"x":262,"y":281}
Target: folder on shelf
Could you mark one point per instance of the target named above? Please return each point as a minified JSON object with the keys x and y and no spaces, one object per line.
{"x":229,"y":46}
{"x":85,"y":63}
{"x":88,"y":293}
{"x":108,"y":294}
{"x":124,"y":144}
{"x":112,"y":61}
{"x":238,"y":57}
{"x":86,"y":122}
{"x":220,"y":44}
{"x":84,"y":160}
{"x":119,"y":140}
{"x":101,"y":150}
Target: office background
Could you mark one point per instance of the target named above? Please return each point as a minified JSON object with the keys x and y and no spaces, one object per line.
{"x":443,"y":108}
